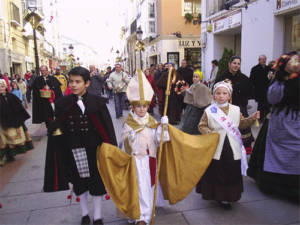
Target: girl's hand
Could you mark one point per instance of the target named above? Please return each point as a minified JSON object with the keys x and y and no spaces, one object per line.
{"x":256,"y":115}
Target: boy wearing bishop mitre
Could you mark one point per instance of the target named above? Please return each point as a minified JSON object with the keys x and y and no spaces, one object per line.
{"x":140,"y":138}
{"x":222,"y":180}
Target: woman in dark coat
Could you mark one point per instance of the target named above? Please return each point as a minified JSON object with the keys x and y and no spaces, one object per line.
{"x":242,"y":90}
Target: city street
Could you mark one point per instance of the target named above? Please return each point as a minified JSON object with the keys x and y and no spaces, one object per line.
{"x":24,"y":202}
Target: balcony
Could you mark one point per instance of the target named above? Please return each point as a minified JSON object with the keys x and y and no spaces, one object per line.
{"x":229,"y":2}
{"x":133,"y":27}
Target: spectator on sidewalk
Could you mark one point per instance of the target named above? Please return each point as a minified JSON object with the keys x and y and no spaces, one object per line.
{"x":97,"y":80}
{"x":152,"y":68}
{"x":6,"y":80}
{"x":23,"y":87}
{"x":260,"y":81}
{"x":15,"y":89}
{"x":108,"y":91}
{"x":186,"y":72}
{"x":158,"y":72}
{"x":213,"y":73}
{"x":30,"y":82}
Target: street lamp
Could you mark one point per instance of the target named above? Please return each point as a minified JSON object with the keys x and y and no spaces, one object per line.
{"x":140,"y":44}
{"x":32,"y":6}
{"x":78,"y":63}
{"x":71,"y":49}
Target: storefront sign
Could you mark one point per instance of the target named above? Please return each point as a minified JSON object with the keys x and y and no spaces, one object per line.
{"x":15,"y":56}
{"x":227,"y":22}
{"x":189,"y":43}
{"x":282,"y":5}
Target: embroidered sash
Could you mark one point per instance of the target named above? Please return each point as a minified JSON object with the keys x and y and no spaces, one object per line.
{"x":227,"y":124}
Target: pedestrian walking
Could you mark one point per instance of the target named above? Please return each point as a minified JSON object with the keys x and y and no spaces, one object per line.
{"x":117,"y":82}
{"x":213,"y":73}
{"x":62,"y":79}
{"x":97,"y":80}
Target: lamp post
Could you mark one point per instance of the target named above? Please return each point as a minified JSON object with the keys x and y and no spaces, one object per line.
{"x":78,"y":63}
{"x":32,"y":6}
{"x":140,"y":44}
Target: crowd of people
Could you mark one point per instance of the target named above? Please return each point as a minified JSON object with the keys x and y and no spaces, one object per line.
{"x":211,"y":113}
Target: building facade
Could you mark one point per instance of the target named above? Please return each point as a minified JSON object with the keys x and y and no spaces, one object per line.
{"x":167,"y":35}
{"x":265,"y":27}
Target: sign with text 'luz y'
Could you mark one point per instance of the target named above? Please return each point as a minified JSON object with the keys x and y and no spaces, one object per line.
{"x":189,"y":43}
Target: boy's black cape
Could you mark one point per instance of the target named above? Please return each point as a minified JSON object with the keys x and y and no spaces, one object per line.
{"x":57,"y":173}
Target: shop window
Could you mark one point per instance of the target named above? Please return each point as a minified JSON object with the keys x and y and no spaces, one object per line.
{"x":151,"y":26}
{"x":151,"y":10}
{"x":191,"y":6}
{"x":193,"y":57}
{"x":292,"y":34}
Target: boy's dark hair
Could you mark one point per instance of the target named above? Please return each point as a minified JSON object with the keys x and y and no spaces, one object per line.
{"x":18,"y":79}
{"x":152,"y":65}
{"x":80,"y":71}
{"x":215,"y":62}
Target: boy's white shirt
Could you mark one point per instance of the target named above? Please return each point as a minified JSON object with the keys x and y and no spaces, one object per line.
{"x":152,"y":142}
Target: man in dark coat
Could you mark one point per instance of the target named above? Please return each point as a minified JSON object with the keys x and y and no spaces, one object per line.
{"x":186,"y":72}
{"x":30,"y":82}
{"x":85,"y":123}
{"x":260,"y":80}
{"x":42,"y":110}
{"x":96,"y":81}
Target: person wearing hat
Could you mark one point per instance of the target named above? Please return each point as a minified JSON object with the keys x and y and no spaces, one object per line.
{"x":223,"y":180}
{"x":62,"y":79}
{"x":15,"y":138}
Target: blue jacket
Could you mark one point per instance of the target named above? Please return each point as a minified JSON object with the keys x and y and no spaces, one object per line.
{"x":17,"y":93}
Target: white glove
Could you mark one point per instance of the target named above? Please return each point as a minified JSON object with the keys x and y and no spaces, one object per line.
{"x":164,"y":120}
{"x":132,"y":135}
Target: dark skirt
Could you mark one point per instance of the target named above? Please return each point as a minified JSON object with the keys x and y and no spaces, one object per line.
{"x":222,"y":181}
{"x":287,"y":185}
{"x":191,"y":120}
{"x":94,"y":183}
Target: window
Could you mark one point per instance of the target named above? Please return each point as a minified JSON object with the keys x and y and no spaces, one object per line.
{"x":151,"y":26}
{"x":24,"y":10}
{"x":191,"y":6}
{"x":151,"y":10}
{"x":15,"y":13}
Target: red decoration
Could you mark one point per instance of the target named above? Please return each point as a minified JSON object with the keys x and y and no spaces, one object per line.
{"x":0,"y":205}
{"x":107,"y":197}
{"x":69,"y":196}
{"x":77,"y":199}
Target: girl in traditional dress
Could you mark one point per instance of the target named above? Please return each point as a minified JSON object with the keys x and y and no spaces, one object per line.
{"x":275,"y":161}
{"x":222,"y":180}
{"x":198,"y":97}
{"x":14,"y":136}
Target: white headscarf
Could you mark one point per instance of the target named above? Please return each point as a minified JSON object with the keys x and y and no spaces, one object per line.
{"x":226,"y":84}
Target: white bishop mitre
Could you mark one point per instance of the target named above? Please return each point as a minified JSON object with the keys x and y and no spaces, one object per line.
{"x":139,"y":90}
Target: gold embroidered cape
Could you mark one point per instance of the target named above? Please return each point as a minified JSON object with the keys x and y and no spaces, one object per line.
{"x":184,"y":160}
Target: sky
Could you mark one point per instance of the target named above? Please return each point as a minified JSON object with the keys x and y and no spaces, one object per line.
{"x":92,"y":22}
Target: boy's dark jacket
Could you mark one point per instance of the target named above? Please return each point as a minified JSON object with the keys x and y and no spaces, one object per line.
{"x":57,"y":173}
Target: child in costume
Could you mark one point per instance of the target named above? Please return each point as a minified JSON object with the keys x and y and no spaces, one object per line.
{"x":85,"y":123}
{"x":14,"y":136}
{"x":198,"y":97}
{"x":140,"y":138}
{"x":222,"y":180}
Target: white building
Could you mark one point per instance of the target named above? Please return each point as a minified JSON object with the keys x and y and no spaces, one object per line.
{"x":269,"y":27}
{"x":84,"y":55}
